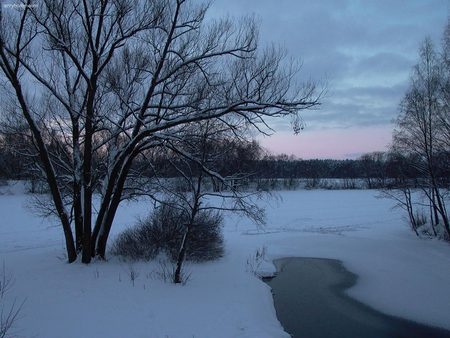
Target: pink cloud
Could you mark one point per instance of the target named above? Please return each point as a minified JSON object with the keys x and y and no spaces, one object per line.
{"x":331,"y":143}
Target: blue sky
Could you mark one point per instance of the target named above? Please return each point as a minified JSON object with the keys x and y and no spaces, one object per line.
{"x":363,"y":49}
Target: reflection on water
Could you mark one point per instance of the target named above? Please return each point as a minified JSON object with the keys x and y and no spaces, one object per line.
{"x":310,"y":302}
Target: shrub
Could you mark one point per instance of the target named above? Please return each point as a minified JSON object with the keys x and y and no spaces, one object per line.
{"x":313,"y":183}
{"x":421,"y":219}
{"x":8,"y":313}
{"x":163,"y":231}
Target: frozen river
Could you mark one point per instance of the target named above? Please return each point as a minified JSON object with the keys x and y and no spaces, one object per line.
{"x":310,"y":301}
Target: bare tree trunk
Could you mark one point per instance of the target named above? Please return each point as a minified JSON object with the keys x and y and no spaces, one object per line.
{"x":87,"y":176}
{"x":105,"y":204}
{"x":433,"y":203}
{"x":442,"y":211}
{"x":409,"y":208}
{"x":432,"y":218}
{"x":110,"y":212}
{"x":177,"y":278}
{"x":105,"y":209}
{"x":181,"y":256}
{"x":12,"y":73}
{"x":78,"y":216}
{"x":76,"y":159}
{"x":106,"y":228}
{"x":51,"y":176}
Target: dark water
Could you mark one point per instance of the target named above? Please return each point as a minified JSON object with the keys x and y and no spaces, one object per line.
{"x":310,"y":302}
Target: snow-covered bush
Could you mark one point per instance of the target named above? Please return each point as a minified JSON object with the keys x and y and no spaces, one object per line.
{"x":163,"y":231}
{"x":255,"y":260}
{"x":166,"y":273}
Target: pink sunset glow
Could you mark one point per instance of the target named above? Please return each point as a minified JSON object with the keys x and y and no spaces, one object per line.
{"x":364,"y":52}
{"x":330,"y":143}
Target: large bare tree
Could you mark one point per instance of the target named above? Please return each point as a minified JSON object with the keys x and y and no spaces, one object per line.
{"x":101,"y":82}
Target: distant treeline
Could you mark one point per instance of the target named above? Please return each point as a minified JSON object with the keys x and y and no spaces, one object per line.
{"x":243,"y":159}
{"x":376,"y":165}
{"x":281,"y":167}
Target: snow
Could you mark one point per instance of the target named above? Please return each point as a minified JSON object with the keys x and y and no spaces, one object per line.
{"x":399,"y":273}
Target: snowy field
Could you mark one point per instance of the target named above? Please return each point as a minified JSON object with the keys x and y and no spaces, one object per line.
{"x":399,"y":273}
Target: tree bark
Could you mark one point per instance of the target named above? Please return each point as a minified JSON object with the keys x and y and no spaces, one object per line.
{"x":110,"y":211}
{"x":87,"y":173}
{"x":181,"y":256}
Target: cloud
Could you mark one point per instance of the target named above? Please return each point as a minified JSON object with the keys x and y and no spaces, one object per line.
{"x":352,"y":106}
{"x":365,"y":49}
{"x":346,"y":115}
{"x":383,"y":63}
{"x":380,"y":93}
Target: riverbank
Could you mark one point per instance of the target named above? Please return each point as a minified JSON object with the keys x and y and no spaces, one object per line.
{"x":311,"y":302}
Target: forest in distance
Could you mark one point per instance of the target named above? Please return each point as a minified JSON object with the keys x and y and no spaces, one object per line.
{"x":376,"y":169}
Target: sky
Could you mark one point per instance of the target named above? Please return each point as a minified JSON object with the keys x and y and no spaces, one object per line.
{"x":364,"y":50}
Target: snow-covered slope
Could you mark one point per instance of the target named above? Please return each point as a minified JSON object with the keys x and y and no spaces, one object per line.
{"x":399,"y":273}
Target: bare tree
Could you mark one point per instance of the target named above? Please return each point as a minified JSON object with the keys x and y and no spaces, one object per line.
{"x":8,"y":314}
{"x":444,"y":116}
{"x":402,"y":195}
{"x":402,"y":186}
{"x":200,"y":147}
{"x":419,"y":129}
{"x":112,"y":79}
{"x":374,"y":169}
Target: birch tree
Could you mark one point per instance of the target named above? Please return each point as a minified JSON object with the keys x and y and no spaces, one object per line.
{"x":110,"y":80}
{"x":420,"y":131}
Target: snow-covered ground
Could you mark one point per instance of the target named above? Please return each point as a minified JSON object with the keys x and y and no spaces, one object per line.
{"x":399,"y":273}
